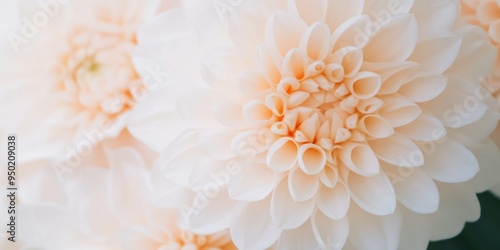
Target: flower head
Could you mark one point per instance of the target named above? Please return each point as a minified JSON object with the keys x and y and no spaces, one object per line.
{"x":82,"y":77}
{"x":340,"y":118}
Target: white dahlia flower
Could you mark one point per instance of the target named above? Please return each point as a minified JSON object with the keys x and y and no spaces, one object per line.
{"x":73,"y":73}
{"x":322,"y":124}
{"x":115,"y":206}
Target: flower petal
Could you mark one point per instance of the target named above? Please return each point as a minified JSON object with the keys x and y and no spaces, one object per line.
{"x":310,"y":11}
{"x":311,"y":158}
{"x":458,"y":105}
{"x":251,"y":226}
{"x":284,"y":31}
{"x":381,"y":198}
{"x":424,"y":128}
{"x":334,"y":202}
{"x":258,"y":176}
{"x":450,"y":162}
{"x":436,"y":53}
{"x":384,"y":48}
{"x":302,"y":186}
{"x":339,"y":11}
{"x":398,"y":150}
{"x":287,"y":213}
{"x":316,"y":41}
{"x":374,"y":232}
{"x":359,"y":158}
{"x":331,"y":234}
{"x":282,"y":155}
{"x":424,"y":88}
{"x":399,"y":111}
{"x":417,"y":191}
{"x":375,"y":126}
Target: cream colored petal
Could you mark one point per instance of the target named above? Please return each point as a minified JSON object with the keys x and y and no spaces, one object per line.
{"x":221,"y":68}
{"x":398,"y":150}
{"x":435,"y":16}
{"x":284,"y":31}
{"x":311,"y":158}
{"x":368,"y":106}
{"x":329,"y":176}
{"x":257,"y":176}
{"x":230,"y":114}
{"x":302,"y":186}
{"x":393,"y":74}
{"x":374,"y":232}
{"x":436,"y":53}
{"x":287,"y":213}
{"x":353,"y":32}
{"x":310,"y":11}
{"x":339,"y":11}
{"x":351,"y":59}
{"x":316,"y":41}
{"x":384,"y":47}
{"x":257,"y":114}
{"x":359,"y":158}
{"x":282,"y":155}
{"x":364,"y":84}
{"x":381,"y":200}
{"x":295,"y":64}
{"x":250,"y":223}
{"x":331,"y":234}
{"x":458,"y":105}
{"x":399,"y":111}
{"x":250,"y":18}
{"x":424,"y":128}
{"x":375,"y":126}
{"x":416,"y":190}
{"x":253,"y":84}
{"x":334,"y":202}
{"x":422,"y":88}
{"x":450,"y":162}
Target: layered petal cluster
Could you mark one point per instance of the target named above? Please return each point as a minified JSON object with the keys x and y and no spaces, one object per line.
{"x":327,"y":124}
{"x":81,"y":76}
{"x":115,"y":206}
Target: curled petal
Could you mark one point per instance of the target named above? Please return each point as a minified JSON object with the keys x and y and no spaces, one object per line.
{"x":311,"y":158}
{"x":295,"y":65}
{"x":282,"y":155}
{"x":359,"y":158}
{"x":351,"y":59}
{"x":316,"y":42}
{"x":277,"y":103}
{"x":364,"y":85}
{"x":334,"y":72}
{"x":369,"y":106}
{"x":375,"y":126}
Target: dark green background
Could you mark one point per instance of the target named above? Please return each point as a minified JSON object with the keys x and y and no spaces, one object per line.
{"x":483,"y":234}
